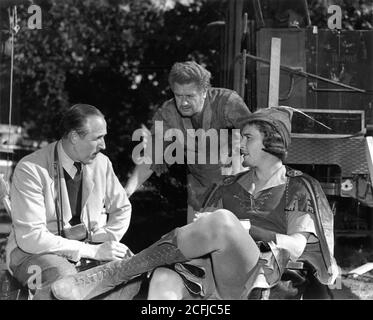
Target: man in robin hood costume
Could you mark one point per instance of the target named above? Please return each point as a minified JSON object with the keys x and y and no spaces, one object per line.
{"x":253,"y":224}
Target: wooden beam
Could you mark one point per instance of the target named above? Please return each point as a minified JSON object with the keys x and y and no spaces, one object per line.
{"x":274,"y":73}
{"x":362,"y":269}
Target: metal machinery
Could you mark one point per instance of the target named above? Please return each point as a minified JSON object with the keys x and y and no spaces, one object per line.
{"x":326,"y":73}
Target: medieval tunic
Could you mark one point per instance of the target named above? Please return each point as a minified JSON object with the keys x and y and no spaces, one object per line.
{"x":269,"y":209}
{"x":284,"y":205}
{"x":223,"y":109}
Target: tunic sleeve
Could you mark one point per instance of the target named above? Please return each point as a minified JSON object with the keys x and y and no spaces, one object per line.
{"x":300,"y":211}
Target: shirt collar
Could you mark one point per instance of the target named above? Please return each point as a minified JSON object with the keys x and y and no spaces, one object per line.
{"x":277,"y":179}
{"x":66,"y":162}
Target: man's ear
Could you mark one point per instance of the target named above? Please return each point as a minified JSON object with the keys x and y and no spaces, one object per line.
{"x":204,"y":93}
{"x":73,"y":137}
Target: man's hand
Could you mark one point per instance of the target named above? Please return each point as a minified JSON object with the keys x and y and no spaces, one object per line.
{"x":112,"y":250}
{"x":142,"y":171}
{"x":204,"y":213}
{"x":260,"y":234}
{"x":199,"y":215}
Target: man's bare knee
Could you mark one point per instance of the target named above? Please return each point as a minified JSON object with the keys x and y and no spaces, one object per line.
{"x":222,"y":224}
{"x":223,"y":216}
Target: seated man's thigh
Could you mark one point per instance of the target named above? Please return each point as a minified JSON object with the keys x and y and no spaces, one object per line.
{"x":44,"y":269}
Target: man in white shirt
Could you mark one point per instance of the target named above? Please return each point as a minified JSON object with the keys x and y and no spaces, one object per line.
{"x":65,"y":187}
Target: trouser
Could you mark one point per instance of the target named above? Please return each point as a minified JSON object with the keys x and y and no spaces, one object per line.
{"x":39,"y":271}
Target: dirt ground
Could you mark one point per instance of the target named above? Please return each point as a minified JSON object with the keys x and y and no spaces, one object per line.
{"x":355,"y":289}
{"x":350,"y":254}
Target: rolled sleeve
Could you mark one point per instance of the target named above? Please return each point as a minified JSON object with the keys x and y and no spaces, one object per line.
{"x":300,"y":222}
{"x":300,"y":211}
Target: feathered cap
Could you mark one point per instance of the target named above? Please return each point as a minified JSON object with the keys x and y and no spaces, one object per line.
{"x":280,"y":119}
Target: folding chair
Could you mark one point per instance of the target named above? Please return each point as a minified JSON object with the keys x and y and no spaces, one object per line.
{"x":10,"y":288}
{"x":297,"y":282}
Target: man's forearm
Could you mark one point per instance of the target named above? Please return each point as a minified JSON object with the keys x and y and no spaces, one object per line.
{"x":89,"y":251}
{"x":294,"y":243}
{"x":260,"y":234}
{"x":139,"y":176}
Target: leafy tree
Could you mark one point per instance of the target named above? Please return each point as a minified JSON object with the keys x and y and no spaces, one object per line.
{"x":356,"y":14}
{"x":113,"y":54}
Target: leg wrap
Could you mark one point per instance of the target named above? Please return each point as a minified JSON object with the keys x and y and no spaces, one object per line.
{"x":100,"y":279}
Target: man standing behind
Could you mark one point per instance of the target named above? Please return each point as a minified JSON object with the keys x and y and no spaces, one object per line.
{"x":68,"y":185}
{"x":196,"y":105}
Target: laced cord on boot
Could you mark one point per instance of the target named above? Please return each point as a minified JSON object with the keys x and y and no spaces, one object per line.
{"x":98,"y":280}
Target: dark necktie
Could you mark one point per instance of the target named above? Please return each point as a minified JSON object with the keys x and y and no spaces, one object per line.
{"x":78,"y":167}
{"x":74,"y":189}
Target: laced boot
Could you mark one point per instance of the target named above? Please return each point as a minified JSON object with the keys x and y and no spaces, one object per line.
{"x":98,"y":280}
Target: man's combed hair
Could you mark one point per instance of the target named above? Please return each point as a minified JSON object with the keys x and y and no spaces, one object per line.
{"x":189,"y":72}
{"x":76,"y":117}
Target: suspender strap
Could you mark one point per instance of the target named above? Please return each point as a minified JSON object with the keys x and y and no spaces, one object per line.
{"x":89,"y":237}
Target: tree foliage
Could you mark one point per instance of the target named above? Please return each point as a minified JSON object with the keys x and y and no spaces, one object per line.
{"x":356,"y":14}
{"x":114,"y":54}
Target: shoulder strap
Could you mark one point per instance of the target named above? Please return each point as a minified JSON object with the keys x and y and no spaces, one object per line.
{"x":210,"y":195}
{"x":89,"y":237}
{"x":290,"y":174}
{"x":57,"y":191}
{"x":216,"y":186}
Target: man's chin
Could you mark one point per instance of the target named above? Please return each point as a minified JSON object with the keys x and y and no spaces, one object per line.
{"x":186,"y":114}
{"x":91,"y":159}
{"x":245,"y":165}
